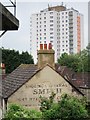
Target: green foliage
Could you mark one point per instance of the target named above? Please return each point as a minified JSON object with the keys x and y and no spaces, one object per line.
{"x":68,"y":107}
{"x":47,"y":103}
{"x":12,"y":59}
{"x":78,"y":62}
{"x":70,"y":61}
{"x":16,"y":111}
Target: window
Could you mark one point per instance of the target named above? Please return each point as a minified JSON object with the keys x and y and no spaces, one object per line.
{"x":44,"y":17}
{"x":51,"y":20}
{"x":66,"y":45}
{"x":40,"y":18}
{"x":44,"y":21}
{"x":51,"y":16}
{"x":37,"y":22}
{"x":45,"y":42}
{"x":66,"y":20}
{"x":51,"y":33}
{"x":44,"y":37}
{"x":44,"y":13}
{"x":44,"y":25}
{"x":51,"y":25}
{"x":44,"y":33}
{"x":51,"y":28}
{"x":51,"y":41}
{"x":51,"y":37}
{"x":44,"y":29}
{"x":40,"y":38}
{"x":51,"y":12}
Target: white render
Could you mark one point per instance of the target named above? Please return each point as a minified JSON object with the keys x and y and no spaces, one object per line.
{"x":58,"y":28}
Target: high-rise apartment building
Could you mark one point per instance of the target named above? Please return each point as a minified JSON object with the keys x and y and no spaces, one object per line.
{"x":57,"y":25}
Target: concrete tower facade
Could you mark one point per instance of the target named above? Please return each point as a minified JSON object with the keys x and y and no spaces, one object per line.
{"x":61,"y":27}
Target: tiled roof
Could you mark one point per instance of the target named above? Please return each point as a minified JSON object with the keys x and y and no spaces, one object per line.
{"x":17,"y":78}
{"x":20,"y":76}
{"x":81,"y":79}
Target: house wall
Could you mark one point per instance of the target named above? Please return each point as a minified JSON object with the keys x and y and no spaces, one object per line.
{"x":42,"y":84}
{"x":86,"y":91}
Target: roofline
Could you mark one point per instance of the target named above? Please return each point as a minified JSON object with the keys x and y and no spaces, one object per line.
{"x":67,"y":81}
{"x":40,"y":70}
{"x":84,"y":87}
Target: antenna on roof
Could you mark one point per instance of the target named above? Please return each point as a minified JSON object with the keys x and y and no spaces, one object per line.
{"x":62,"y":3}
{"x":48,"y":6}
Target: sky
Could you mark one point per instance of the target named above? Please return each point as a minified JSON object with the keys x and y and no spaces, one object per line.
{"x":20,"y":40}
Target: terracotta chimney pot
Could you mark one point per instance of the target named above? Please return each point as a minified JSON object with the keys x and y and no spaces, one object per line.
{"x":45,"y":46}
{"x":41,"y":46}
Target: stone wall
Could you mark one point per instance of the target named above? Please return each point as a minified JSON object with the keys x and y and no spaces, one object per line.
{"x":43,"y":83}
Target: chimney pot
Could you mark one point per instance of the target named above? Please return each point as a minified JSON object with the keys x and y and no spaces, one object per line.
{"x":41,"y":46}
{"x":50,"y":46}
{"x":2,"y":65}
{"x":45,"y":46}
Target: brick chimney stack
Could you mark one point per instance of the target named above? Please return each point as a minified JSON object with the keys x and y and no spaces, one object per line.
{"x":46,"y":55}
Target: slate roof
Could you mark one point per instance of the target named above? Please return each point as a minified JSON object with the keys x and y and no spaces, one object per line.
{"x":20,"y":76}
{"x":81,"y":79}
{"x":17,"y":78}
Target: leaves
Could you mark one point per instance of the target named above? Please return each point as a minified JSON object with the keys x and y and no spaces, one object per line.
{"x":16,"y":111}
{"x":12,"y":59}
{"x":68,"y":107}
{"x":78,"y":62}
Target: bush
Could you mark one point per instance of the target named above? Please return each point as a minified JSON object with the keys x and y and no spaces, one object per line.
{"x":16,"y":111}
{"x":67,"y":108}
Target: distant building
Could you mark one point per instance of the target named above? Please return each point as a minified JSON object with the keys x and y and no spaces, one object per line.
{"x":57,"y":25}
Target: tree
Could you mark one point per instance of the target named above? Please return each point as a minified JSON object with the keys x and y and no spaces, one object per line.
{"x":67,"y":108}
{"x":12,"y":59}
{"x":78,"y":62}
{"x":70,"y":61}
